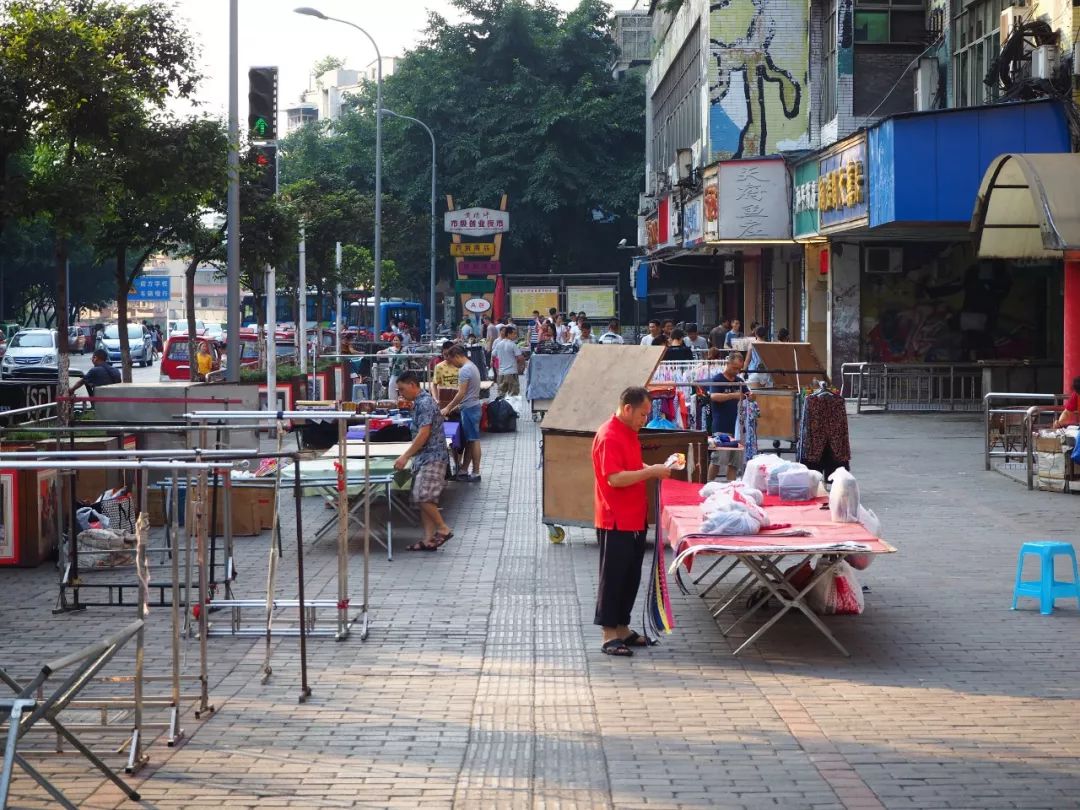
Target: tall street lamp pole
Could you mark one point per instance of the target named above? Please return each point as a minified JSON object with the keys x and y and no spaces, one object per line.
{"x":232,"y":222}
{"x":431,"y":300}
{"x":313,"y":12}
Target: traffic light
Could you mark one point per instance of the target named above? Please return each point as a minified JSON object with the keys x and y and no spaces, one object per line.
{"x":264,"y":160}
{"x":262,"y":103}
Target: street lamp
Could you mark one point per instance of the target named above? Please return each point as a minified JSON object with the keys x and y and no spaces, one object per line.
{"x":431,"y":303}
{"x":314,"y":12}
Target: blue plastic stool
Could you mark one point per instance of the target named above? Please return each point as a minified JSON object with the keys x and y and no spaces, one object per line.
{"x":1046,"y":589}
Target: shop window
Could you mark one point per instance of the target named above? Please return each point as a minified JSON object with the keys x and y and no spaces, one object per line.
{"x":975,"y":46}
{"x":890,"y":21}
{"x":832,"y":75}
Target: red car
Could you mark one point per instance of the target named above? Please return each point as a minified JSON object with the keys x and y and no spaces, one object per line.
{"x":175,"y":364}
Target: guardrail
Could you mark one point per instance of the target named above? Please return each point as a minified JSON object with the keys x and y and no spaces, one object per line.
{"x":926,"y":387}
{"x":1008,"y":426}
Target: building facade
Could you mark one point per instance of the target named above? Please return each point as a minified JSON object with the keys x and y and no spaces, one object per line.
{"x":324,"y":100}
{"x":871,"y":125}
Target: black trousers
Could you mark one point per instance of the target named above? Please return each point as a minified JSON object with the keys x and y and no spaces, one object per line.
{"x":621,"y":555}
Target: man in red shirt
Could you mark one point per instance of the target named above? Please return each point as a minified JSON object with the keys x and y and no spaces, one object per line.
{"x":621,"y":516}
{"x":1071,"y":414}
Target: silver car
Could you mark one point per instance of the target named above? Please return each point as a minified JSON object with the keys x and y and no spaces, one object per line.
{"x":139,"y":342}
{"x":31,"y":353}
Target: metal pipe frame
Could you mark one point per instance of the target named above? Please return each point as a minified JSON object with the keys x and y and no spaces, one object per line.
{"x":988,"y":411}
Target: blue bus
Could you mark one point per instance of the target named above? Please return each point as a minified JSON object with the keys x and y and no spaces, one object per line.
{"x":357,"y":309}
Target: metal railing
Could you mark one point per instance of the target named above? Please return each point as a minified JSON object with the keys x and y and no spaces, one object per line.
{"x":1007,"y":425}
{"x":925,"y":387}
{"x":1031,"y":426}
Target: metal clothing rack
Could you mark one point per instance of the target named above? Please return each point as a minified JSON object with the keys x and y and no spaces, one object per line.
{"x":305,"y":607}
{"x":47,"y":460}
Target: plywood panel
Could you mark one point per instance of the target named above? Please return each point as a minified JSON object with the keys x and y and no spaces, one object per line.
{"x":792,"y":365}
{"x":568,"y":479}
{"x":590,"y":392}
{"x":777,"y":418}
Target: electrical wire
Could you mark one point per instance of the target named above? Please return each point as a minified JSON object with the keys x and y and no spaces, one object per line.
{"x":937,"y":41}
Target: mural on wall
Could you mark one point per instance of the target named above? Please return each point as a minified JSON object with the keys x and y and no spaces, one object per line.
{"x":954,"y":309}
{"x":758,"y":77}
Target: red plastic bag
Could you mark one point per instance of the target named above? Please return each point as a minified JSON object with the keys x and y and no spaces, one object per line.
{"x":838,"y":593}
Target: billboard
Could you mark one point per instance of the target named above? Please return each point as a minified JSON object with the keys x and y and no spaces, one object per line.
{"x":595,"y":302}
{"x":523,"y":300}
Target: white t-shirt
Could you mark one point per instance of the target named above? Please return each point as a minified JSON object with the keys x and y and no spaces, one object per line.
{"x":646,"y":340}
{"x":698,"y":343}
{"x":611,"y":339}
{"x":506,"y":352}
{"x":562,"y":333}
{"x":575,"y":331}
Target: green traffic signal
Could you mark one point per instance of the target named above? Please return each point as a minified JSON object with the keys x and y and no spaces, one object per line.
{"x":261,"y":126}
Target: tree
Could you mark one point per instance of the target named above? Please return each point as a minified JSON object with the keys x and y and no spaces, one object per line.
{"x":326,"y":64}
{"x":168,"y":172}
{"x":201,"y":243}
{"x":92,"y":67}
{"x":521,"y":101}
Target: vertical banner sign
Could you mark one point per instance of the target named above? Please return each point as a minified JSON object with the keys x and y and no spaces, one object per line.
{"x":711,"y":203}
{"x":754,"y":200}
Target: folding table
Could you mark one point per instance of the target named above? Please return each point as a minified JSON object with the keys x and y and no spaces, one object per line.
{"x":762,"y":555}
{"x":321,"y":475}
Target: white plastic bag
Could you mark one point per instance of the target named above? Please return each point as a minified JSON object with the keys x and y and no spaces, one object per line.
{"x":729,"y":487}
{"x":869,"y":521}
{"x":817,"y":485}
{"x":775,"y":472}
{"x":735,"y":523}
{"x":756,"y":474}
{"x":794,"y":485}
{"x":838,"y":593}
{"x":844,"y":497}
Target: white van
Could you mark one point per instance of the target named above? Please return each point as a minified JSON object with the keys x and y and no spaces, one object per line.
{"x":181,"y":326}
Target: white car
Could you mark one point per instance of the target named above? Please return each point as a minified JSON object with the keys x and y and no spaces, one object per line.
{"x":181,"y":326}
{"x":212,"y":330}
{"x":31,"y":353}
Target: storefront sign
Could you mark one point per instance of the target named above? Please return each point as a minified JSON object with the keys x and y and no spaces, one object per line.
{"x":526,"y":300}
{"x":694,"y":222}
{"x":663,"y":222}
{"x":479,"y":268}
{"x":476,"y":222}
{"x":674,"y":221}
{"x":805,"y":200}
{"x":465,"y":249}
{"x":711,"y":179}
{"x":754,"y":201}
{"x":478,"y":286}
{"x":477,"y":305}
{"x":841,"y":196}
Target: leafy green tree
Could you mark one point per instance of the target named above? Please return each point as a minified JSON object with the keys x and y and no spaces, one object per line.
{"x":326,"y":64}
{"x":91,"y":69}
{"x":168,"y":172}
{"x":521,"y":101}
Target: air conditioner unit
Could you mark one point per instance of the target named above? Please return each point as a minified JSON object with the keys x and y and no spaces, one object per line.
{"x":926,"y":83}
{"x":881,"y":260}
{"x":1011,"y":17}
{"x":1044,"y":62}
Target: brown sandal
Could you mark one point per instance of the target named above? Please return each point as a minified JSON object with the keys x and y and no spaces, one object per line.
{"x":440,"y":539}
{"x":422,"y":547}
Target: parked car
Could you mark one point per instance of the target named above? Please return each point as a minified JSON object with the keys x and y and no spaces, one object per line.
{"x":212,"y":330}
{"x":176,"y":362}
{"x":139,"y":342}
{"x":180,"y":326}
{"x":31,"y":353}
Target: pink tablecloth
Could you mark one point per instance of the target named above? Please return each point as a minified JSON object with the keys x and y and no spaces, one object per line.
{"x":680,"y":522}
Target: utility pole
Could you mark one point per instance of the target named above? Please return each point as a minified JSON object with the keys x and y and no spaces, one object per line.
{"x":302,"y":315}
{"x":232,"y":294}
{"x":337,"y":300}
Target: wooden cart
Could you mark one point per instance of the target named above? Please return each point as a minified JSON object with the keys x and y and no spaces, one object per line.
{"x":586,"y":399}
{"x":792,"y":367}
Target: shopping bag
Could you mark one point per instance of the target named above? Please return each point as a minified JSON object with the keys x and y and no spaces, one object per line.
{"x":838,"y":593}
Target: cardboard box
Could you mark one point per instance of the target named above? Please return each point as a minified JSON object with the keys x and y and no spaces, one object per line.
{"x":1048,"y":444}
{"x":245,"y":517}
{"x":1051,"y":465}
{"x":155,"y":505}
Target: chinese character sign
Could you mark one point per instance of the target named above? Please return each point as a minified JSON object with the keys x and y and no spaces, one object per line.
{"x":694,"y":222}
{"x":476,"y":222}
{"x":841,"y":186}
{"x":753,"y":200}
{"x":805,"y":199}
{"x":712,"y":203}
{"x":150,"y":288}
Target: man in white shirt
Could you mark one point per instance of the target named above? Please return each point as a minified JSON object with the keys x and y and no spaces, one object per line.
{"x":694,"y":340}
{"x":509,"y":355}
{"x":654,"y":332}
{"x":585,"y":335}
{"x":612,"y":336}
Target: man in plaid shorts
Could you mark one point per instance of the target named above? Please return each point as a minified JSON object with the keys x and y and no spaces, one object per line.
{"x":429,"y":461}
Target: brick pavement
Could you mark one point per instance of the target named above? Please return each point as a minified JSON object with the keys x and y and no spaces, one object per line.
{"x":482,"y":685}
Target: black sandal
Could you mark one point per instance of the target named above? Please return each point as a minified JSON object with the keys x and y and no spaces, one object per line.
{"x":440,"y":539}
{"x":421,"y":547}
{"x":616,"y":647}
{"x":637,"y":640}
